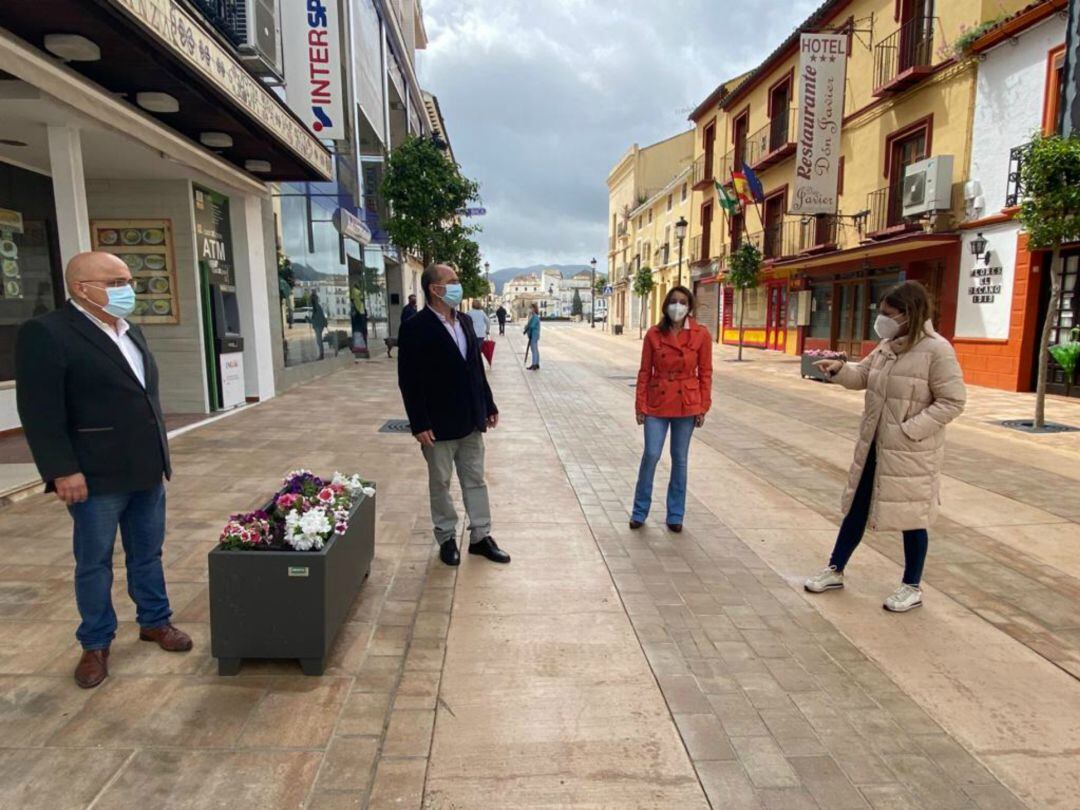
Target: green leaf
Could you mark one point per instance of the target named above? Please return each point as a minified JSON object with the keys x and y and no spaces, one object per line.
{"x":744,"y":267}
{"x":1050,"y":180}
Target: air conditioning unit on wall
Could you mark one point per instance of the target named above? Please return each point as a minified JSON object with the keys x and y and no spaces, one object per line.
{"x":927,"y":186}
{"x":257,"y":32}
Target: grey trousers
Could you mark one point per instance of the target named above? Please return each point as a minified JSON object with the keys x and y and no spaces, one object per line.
{"x":468,"y":456}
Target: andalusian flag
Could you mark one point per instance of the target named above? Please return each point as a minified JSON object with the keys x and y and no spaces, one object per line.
{"x":727,"y":199}
{"x":742,"y":188}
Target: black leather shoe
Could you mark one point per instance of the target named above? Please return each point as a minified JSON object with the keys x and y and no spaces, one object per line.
{"x":448,"y":552}
{"x":487,"y":548}
{"x":675,"y":527}
{"x":636,"y":524}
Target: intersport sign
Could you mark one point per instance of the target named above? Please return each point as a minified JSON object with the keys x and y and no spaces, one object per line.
{"x":314,"y":87}
{"x":822,"y":72}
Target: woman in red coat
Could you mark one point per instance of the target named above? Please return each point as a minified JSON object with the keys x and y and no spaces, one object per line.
{"x":674,"y":390}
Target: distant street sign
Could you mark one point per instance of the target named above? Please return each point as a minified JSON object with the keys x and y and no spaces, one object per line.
{"x":472,"y":212}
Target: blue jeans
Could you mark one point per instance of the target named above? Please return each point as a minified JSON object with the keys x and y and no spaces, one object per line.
{"x":656,"y":429}
{"x":534,"y":347}
{"x":916,"y":541}
{"x":141,"y":519}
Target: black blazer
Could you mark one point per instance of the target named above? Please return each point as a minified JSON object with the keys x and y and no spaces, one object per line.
{"x":84,"y":410}
{"x":443,"y":393}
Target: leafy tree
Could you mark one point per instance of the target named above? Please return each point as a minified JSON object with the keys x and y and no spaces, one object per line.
{"x":601,"y":284}
{"x":1050,"y":213}
{"x":643,"y":287}
{"x":425,"y":190}
{"x":744,"y":273}
{"x":466,"y":257}
{"x":577,"y":306}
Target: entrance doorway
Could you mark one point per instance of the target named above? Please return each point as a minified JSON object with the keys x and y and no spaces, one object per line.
{"x":850,"y":325}
{"x":1066,"y":319}
{"x":776,"y":318}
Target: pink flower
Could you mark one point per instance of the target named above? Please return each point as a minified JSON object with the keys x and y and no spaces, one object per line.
{"x":287,"y":501}
{"x":326,"y":495}
{"x":338,"y":488}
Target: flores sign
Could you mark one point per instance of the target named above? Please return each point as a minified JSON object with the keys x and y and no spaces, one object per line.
{"x":312,"y":51}
{"x":822,"y":69}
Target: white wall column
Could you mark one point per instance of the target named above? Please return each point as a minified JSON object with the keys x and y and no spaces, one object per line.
{"x":252,"y":266}
{"x":69,"y":190}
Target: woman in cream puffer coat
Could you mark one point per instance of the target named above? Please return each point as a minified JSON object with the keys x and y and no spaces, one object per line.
{"x":914,"y":387}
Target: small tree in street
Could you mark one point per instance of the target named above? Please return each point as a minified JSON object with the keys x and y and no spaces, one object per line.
{"x":643,"y":287}
{"x":1050,"y":213}
{"x":744,"y":273}
{"x":576,"y":306}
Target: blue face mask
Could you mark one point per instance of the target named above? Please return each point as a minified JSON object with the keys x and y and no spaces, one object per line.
{"x":121,"y":301}
{"x":453,"y":294}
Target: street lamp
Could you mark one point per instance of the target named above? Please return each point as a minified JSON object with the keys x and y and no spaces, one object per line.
{"x":680,"y":234}
{"x":592,"y":295}
{"x":487,"y":278}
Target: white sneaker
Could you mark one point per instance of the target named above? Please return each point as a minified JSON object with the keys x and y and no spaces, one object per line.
{"x":827,"y":580}
{"x":907,"y":597}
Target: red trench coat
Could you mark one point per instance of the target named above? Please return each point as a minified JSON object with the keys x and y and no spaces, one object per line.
{"x":675,"y":378}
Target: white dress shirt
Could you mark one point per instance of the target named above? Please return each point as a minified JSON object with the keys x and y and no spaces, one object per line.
{"x":453,"y":326}
{"x":123,"y":342}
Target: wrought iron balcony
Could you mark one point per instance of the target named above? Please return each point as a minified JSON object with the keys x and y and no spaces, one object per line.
{"x":773,"y":142}
{"x":223,"y":15}
{"x":886,"y":207}
{"x":703,"y":171}
{"x":904,"y":57}
{"x":1014,"y":190}
{"x":815,"y":234}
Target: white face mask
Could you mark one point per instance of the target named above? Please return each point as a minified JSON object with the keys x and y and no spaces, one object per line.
{"x":677,"y":311}
{"x":886,"y":327}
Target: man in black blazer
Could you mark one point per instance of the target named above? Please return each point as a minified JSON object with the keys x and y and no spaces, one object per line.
{"x":449,"y":404}
{"x":87,"y":392}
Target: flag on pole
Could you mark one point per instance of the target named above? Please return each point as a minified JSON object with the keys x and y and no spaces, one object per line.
{"x":754,"y":183}
{"x":742,"y":188}
{"x":727,"y":200}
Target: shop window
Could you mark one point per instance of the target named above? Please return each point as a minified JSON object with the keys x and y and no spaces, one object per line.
{"x":821,"y":311}
{"x":31,"y":283}
{"x":1055,"y":80}
{"x":755,"y":302}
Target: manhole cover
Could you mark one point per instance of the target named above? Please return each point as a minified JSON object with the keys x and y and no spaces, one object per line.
{"x":1027,"y":426}
{"x":395,"y":426}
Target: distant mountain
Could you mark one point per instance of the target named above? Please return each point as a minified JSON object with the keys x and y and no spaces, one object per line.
{"x":500,"y":277}
{"x":303,"y":272}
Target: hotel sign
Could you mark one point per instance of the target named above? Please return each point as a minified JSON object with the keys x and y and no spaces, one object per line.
{"x":822,"y":71}
{"x":314,"y":85}
{"x":169,"y":22}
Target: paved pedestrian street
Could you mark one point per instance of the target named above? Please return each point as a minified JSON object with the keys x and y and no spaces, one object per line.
{"x":602,"y":667}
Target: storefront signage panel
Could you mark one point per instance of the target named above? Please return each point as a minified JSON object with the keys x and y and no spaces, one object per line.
{"x":984,"y":300}
{"x":146,"y":247}
{"x":170,"y":23}
{"x":822,"y":69}
{"x":213,"y":237}
{"x":231,"y":370}
{"x":314,"y":85}
{"x":351,"y":226}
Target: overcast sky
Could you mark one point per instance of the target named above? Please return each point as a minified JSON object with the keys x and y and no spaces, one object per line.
{"x":541,"y":97}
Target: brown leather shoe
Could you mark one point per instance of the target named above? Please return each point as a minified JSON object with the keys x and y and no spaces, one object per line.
{"x":93,"y":668}
{"x":168,"y":638}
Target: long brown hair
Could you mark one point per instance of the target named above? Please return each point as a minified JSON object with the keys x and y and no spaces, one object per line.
{"x":911,"y":299}
{"x":666,"y":324}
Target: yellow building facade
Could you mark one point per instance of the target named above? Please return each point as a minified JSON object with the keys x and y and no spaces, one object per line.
{"x":639,"y":175}
{"x":909,"y":96}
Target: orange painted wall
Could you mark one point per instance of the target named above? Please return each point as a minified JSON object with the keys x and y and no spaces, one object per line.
{"x":1006,"y":364}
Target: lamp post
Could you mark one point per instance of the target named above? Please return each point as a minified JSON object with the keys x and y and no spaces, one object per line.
{"x":680,"y":234}
{"x":487,"y":278}
{"x":592,"y":295}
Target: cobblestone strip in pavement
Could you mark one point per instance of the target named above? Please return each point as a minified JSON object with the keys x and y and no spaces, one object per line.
{"x":776,"y":708}
{"x":165,"y":728}
{"x":985,"y":562}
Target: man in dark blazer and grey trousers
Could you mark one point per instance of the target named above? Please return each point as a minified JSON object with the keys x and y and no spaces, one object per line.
{"x":449,"y":404}
{"x":87,"y":391}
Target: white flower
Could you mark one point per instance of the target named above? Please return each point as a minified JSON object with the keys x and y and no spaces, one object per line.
{"x":307,"y":530}
{"x":369,"y":491}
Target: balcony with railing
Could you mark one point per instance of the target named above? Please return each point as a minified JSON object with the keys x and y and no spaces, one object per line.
{"x":224,"y":15}
{"x":886,"y":207}
{"x":731,"y":162}
{"x":1014,"y":189}
{"x":703,"y":171}
{"x":774,"y":142}
{"x":817,"y":234}
{"x":905,"y":57}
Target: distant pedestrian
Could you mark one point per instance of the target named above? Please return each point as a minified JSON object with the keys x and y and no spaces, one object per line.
{"x":87,"y":391}
{"x":409,"y":310}
{"x":914,"y":387}
{"x":674,"y":392}
{"x":532,"y":330}
{"x":479,"y":319}
{"x":500,"y":314}
{"x":318,"y":321}
{"x":449,"y":405}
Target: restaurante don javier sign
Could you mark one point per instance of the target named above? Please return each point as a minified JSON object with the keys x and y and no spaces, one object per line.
{"x":822,"y":68}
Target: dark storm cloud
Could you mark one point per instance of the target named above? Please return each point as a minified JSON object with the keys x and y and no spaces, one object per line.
{"x":541,"y":98}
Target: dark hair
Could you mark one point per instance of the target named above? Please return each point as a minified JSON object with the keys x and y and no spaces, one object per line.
{"x":535,"y":308}
{"x":911,"y":299}
{"x":666,"y":323}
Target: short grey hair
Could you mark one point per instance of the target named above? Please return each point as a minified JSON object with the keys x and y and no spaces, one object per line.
{"x":431,"y":276}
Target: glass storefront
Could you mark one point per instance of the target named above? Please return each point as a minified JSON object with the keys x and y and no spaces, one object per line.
{"x":32,"y":279}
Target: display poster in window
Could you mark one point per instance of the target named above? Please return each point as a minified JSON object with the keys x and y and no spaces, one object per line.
{"x":11,"y":226}
{"x":213,"y":237}
{"x":146,"y":247}
{"x":231,"y":371}
{"x":822,"y":71}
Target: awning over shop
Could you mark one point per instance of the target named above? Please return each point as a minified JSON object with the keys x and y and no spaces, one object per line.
{"x":871,"y":250}
{"x":161,"y":47}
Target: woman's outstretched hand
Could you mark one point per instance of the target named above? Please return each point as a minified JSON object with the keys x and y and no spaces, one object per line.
{"x":830,"y":367}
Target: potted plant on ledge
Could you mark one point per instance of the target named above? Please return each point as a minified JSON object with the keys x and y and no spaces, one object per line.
{"x":283,"y":578}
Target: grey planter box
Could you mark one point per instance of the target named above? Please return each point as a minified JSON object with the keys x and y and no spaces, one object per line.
{"x":288,"y":604}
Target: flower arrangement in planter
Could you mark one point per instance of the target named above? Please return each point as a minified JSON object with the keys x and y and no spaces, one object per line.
{"x":283,"y":578}
{"x":811,"y":356}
